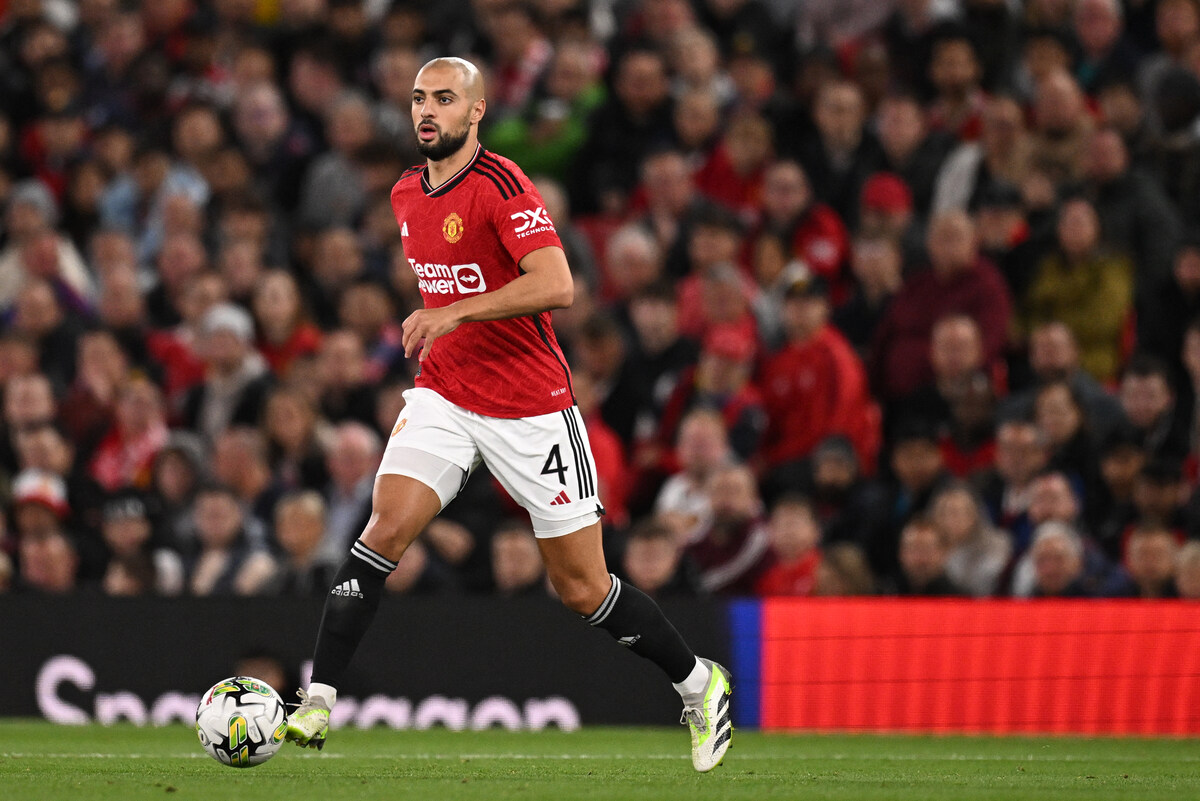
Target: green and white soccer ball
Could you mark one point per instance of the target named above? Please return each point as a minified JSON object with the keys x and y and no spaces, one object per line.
{"x":241,"y":722}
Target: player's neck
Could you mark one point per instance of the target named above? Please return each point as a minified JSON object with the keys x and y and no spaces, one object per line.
{"x":447,"y":168}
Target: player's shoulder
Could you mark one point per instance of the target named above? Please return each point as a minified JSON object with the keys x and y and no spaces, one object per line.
{"x":501,"y":175}
{"x":409,"y":179}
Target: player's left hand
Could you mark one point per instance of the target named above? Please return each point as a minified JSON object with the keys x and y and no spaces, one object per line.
{"x":427,"y":325}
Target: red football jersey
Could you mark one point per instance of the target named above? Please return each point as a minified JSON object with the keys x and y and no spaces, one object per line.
{"x":465,"y":237}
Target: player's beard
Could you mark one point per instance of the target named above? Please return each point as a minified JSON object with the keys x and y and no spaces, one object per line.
{"x":446,"y":145}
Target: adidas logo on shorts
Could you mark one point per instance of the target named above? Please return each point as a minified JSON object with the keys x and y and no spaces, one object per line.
{"x":347,"y":589}
{"x":561,"y":499}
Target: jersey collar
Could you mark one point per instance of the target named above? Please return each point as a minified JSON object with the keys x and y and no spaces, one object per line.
{"x":454,"y":181}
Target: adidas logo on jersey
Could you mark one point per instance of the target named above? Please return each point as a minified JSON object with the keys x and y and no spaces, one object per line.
{"x":561,"y":499}
{"x":347,"y":589}
{"x":404,"y":228}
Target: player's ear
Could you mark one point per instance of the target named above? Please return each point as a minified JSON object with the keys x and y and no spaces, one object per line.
{"x":478,"y":111}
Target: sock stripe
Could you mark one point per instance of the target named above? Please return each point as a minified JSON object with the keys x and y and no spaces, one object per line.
{"x":606,"y":607}
{"x":373,"y":559}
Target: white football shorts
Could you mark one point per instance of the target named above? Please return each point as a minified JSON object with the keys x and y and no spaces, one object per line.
{"x":545,"y":462}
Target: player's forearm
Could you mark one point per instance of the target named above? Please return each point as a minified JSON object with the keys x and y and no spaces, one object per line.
{"x":528,"y":294}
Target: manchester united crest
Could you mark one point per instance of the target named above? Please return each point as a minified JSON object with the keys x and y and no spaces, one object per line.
{"x":452,"y":228}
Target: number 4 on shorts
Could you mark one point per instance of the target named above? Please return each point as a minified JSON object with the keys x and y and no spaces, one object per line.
{"x":554,"y":465}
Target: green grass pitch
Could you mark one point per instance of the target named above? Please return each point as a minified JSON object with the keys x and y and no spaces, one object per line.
{"x":41,"y":762}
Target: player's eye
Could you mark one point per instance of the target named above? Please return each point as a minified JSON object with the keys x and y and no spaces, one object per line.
{"x":444,"y":100}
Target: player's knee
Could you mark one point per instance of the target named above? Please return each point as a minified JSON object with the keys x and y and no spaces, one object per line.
{"x":583,"y":595}
{"x":390,"y":530}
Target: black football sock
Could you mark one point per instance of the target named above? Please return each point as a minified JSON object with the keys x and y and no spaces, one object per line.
{"x":349,"y":609}
{"x":635,"y":621}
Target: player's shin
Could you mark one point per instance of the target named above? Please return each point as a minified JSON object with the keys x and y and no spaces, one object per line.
{"x":349,"y":609}
{"x":635,"y":621}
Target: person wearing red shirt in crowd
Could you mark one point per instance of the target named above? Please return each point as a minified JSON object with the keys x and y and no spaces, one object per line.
{"x":284,"y":331}
{"x":125,"y":457}
{"x":814,"y":231}
{"x":815,"y":384}
{"x":733,"y":173}
{"x":795,"y":553}
{"x":955,"y":74}
{"x":958,"y":281}
{"x":717,"y":288}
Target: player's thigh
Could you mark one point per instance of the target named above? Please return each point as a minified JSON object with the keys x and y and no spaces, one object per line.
{"x":431,"y":443}
{"x":545,"y":463}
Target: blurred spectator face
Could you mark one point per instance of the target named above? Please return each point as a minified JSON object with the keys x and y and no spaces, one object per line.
{"x":954,"y":69}
{"x":114,"y":147}
{"x":48,"y":562}
{"x":313,"y":81}
{"x":697,"y":118}
{"x":694,"y":56}
{"x":793,"y":530}
{"x":633,"y":261}
{"x":260,"y":116}
{"x":365,"y":309}
{"x":1108,"y":159}
{"x":917,"y":463}
{"x":353,"y":455}
{"x":349,"y":125}
{"x":240,"y":265}
{"x":337,"y":258}
{"x":197,"y":132}
{"x":1097,"y":25}
{"x":786,"y":192}
{"x":1121,"y":108}
{"x":956,"y":515}
{"x":952,"y":243}
{"x":804,"y":316}
{"x":1187,"y":572}
{"x":139,"y":407}
{"x":834,"y":471}
{"x":253,"y":65}
{"x":43,"y":448}
{"x":126,"y":535}
{"x":1150,"y":559}
{"x":1003,"y":126}
{"x":218,"y":519}
{"x":1119,"y":467}
{"x":1157,"y":498}
{"x":1058,"y":104}
{"x":668,"y":183}
{"x":839,"y":113}
{"x":876,"y":264}
{"x":901,"y":127}
{"x":203,"y":291}
{"x":396,"y":71}
{"x":289,"y":420}
{"x":956,"y":347}
{"x":770,"y":258}
{"x":111,"y":250}
{"x":300,"y":524}
{"x":1187,"y":269}
{"x":749,"y":143}
{"x":1053,"y":500}
{"x":711,"y":245}
{"x":1145,"y":398}
{"x":39,"y":255}
{"x":1053,"y":354}
{"x":572,"y":71}
{"x":922,"y":554}
{"x":37,"y":312}
{"x":182,"y":257}
{"x":223,"y":351}
{"x":101,"y":361}
{"x":733,"y":497}
{"x":28,"y":399}
{"x":722,"y":373}
{"x":174,"y":477}
{"x":651,"y":561}
{"x":18,"y":357}
{"x":641,"y":84}
{"x":1078,"y":229}
{"x":516,"y":561}
{"x":341,"y":360}
{"x":1177,"y":24}
{"x":1057,"y":413}
{"x":122,"y":304}
{"x":703,"y":444}
{"x":1057,"y":562}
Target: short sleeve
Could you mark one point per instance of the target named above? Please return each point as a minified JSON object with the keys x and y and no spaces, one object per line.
{"x":524,"y":225}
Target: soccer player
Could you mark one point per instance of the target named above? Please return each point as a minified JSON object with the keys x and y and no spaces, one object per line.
{"x":492,"y":387}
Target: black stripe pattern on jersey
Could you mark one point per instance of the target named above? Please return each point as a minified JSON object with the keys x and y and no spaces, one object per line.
{"x":453,"y":182}
{"x":500,"y":186}
{"x":490,"y":162}
{"x":542,"y":332}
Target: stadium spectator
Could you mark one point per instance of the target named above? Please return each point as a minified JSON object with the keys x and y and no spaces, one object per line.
{"x":1122,"y":458}
{"x":48,"y":563}
{"x":291,"y":427}
{"x":702,"y":448}
{"x":517,"y":569}
{"x":137,"y":565}
{"x":1062,"y":128}
{"x":89,"y":404}
{"x":910,"y":149}
{"x":1057,"y":556}
{"x":39,"y":315}
{"x":718,"y":289}
{"x":959,"y":281}
{"x":299,"y":523}
{"x":1187,"y":571}
{"x":655,"y":563}
{"x":977,"y":552}
{"x":227,"y":559}
{"x":30,"y":221}
{"x":955,"y":357}
{"x":1149,"y":403}
{"x":660,"y":354}
{"x":1086,"y":289}
{"x":886,"y":210}
{"x":352,"y":458}
{"x":1105,"y":52}
{"x":1172,"y":304}
{"x":1060,"y":415}
{"x":236,"y":377}
{"x":333,"y":193}
{"x":844,"y":571}
{"x":840,"y":154}
{"x":1003,"y":155}
{"x":815,"y":385}
{"x":1152,"y":554}
{"x":366,"y":309}
{"x":240,"y":462}
{"x":794,"y":557}
{"x":876,"y":265}
{"x":922,"y":559}
{"x":956,"y":76}
{"x":732,"y":176}
{"x":125,"y":455}
{"x":284,"y":332}
{"x":731,"y":550}
{"x":341,"y":386}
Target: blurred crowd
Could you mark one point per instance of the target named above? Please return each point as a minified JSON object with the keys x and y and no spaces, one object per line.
{"x":871,"y":296}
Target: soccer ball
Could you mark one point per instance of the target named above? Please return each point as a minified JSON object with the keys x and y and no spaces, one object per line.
{"x":241,"y":722}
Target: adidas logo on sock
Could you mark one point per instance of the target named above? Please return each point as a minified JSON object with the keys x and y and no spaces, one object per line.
{"x":347,"y":589}
{"x":561,"y":499}
{"x":629,"y":642}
